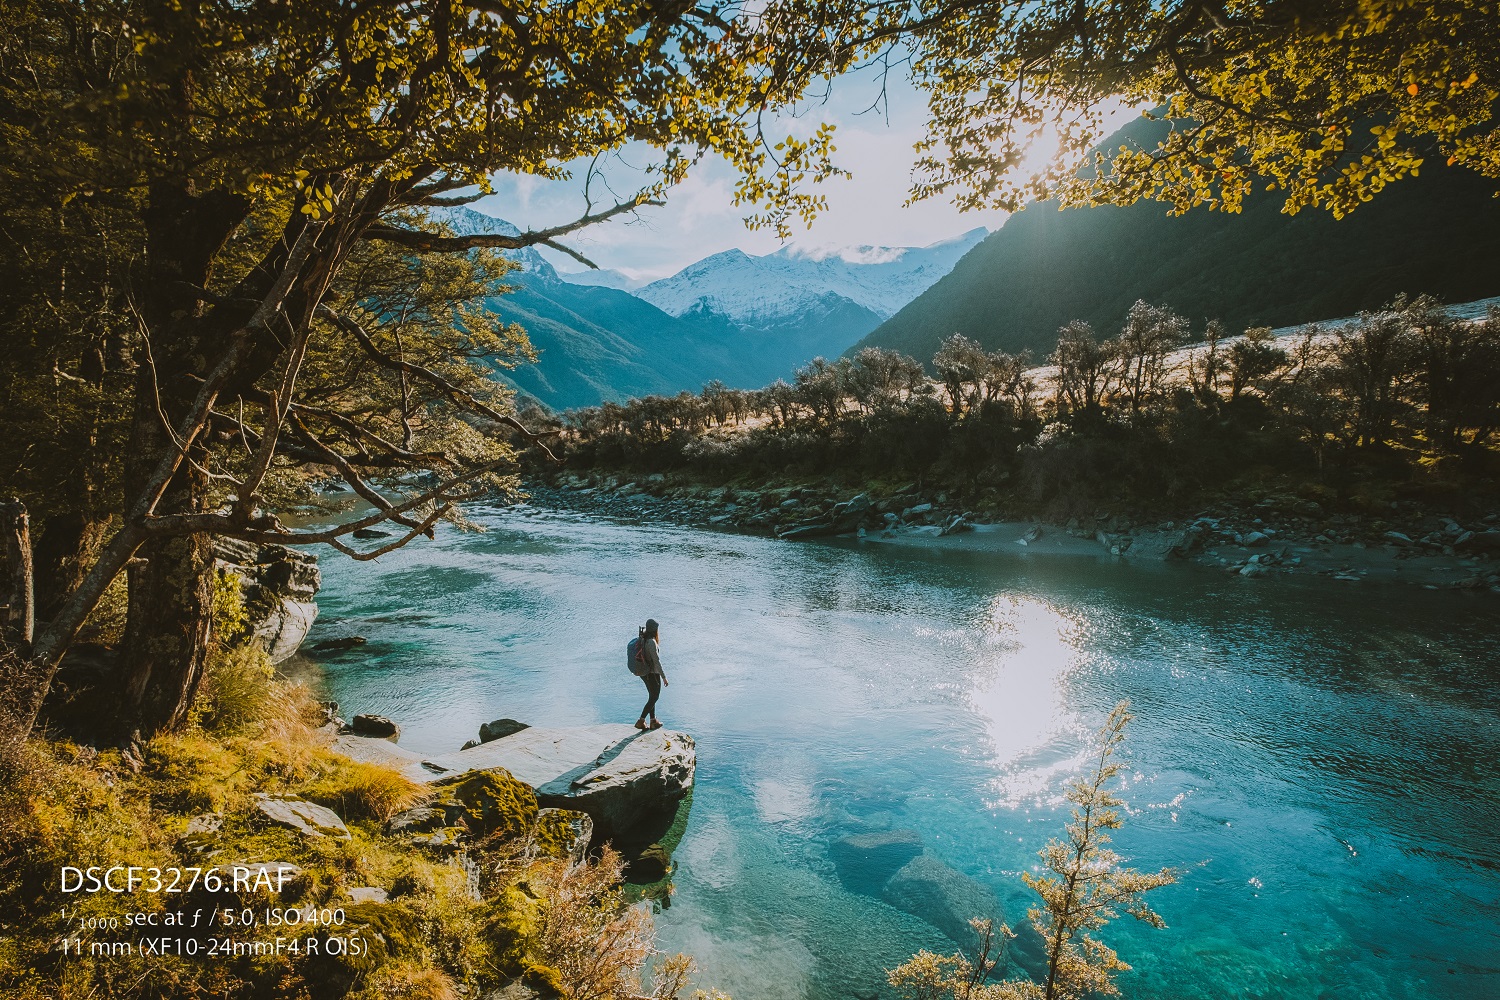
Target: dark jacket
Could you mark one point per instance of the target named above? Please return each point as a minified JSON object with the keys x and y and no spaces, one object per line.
{"x":653,"y":659}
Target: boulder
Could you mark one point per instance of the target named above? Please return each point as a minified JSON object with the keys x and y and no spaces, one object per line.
{"x":627,"y":780}
{"x":368,"y":894}
{"x":334,"y":645}
{"x":500,"y":728}
{"x":866,"y":861}
{"x":377,"y":726}
{"x":422,"y":819}
{"x":307,"y":818}
{"x":278,"y":585}
{"x":947,"y":899}
{"x":563,"y":833}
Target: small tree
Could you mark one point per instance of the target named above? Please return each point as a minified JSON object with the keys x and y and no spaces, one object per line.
{"x":1086,"y":369}
{"x":1085,"y":887}
{"x":1254,"y":358}
{"x":1150,"y":333}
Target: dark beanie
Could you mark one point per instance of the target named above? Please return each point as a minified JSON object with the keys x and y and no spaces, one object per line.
{"x":651,"y":626}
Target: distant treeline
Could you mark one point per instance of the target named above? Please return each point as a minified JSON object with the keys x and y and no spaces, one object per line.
{"x":1406,"y":391}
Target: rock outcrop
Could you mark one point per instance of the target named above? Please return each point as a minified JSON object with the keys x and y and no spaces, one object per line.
{"x":278,"y":585}
{"x":307,"y":818}
{"x":627,"y":781}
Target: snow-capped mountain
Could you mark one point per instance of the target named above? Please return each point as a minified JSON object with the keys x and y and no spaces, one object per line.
{"x":743,"y":320}
{"x":467,"y":222}
{"x":769,"y":290}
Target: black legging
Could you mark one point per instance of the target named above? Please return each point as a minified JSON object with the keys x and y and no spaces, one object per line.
{"x":653,"y":687}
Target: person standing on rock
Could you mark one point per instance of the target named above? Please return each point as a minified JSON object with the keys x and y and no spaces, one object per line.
{"x":646,"y":664}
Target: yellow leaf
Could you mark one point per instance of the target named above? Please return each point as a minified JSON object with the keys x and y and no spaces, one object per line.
{"x":1412,"y":90}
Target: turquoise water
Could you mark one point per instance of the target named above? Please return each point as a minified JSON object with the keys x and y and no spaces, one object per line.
{"x":1322,"y":762}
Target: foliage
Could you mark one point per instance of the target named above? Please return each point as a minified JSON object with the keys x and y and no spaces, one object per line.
{"x":66,"y":804}
{"x":1329,"y":103}
{"x":1085,"y":887}
{"x":1126,"y":417}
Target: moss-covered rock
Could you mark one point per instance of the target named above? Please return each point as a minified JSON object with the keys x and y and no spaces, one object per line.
{"x":496,"y":804}
{"x":383,"y":932}
{"x":563,"y":833}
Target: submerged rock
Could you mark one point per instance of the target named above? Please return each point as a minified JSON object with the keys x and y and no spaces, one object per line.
{"x":946,"y":898}
{"x":335,"y":645}
{"x":866,"y":861}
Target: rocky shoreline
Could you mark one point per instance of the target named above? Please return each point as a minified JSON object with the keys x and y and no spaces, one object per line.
{"x":1407,"y":543}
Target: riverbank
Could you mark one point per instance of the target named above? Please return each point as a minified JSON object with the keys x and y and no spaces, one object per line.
{"x":1403,"y":542}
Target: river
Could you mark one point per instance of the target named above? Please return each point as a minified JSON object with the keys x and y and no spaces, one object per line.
{"x":1321,"y":762}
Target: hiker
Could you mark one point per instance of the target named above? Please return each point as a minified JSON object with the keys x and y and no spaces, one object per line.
{"x":645,"y":663}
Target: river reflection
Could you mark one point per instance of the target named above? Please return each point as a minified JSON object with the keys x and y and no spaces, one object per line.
{"x":1323,"y":763}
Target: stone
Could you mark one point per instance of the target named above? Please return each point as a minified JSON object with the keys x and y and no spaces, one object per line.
{"x":204,"y":824}
{"x":946,"y":898}
{"x":332,"y":645}
{"x":277,"y":585}
{"x":1032,"y":535}
{"x":307,"y":818}
{"x":1398,"y":538}
{"x":1481,"y":541}
{"x":624,"y":778}
{"x":1254,"y":539}
{"x":866,"y":861}
{"x":955,"y":525}
{"x":422,"y":819}
{"x":495,"y":803}
{"x":368,"y":894}
{"x":375,"y":725}
{"x":563,"y":833}
{"x":499,"y":729}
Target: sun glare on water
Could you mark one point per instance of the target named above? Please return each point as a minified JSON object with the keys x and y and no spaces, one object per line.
{"x":1022,"y":696}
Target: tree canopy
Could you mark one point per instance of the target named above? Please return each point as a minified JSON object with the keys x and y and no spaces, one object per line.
{"x":1327,"y":103}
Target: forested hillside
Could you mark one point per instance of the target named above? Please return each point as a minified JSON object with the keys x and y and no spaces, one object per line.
{"x":1438,"y":234}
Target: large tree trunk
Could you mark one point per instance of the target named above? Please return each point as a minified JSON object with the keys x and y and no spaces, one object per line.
{"x":17,"y":615}
{"x":66,"y":547}
{"x":171,"y":579}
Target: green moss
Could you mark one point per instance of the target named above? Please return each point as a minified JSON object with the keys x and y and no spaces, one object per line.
{"x":555,"y":833}
{"x":496,"y":805}
{"x":385,"y":932}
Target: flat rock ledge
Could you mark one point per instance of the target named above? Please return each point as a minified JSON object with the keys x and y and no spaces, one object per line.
{"x":623,"y":778}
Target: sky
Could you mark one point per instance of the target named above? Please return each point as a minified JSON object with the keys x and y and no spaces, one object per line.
{"x":699,"y":218}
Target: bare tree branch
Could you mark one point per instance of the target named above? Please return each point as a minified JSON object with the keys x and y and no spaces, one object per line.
{"x":454,"y":393}
{"x":416,"y":239}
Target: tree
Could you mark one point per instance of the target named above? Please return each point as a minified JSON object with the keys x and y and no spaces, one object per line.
{"x":1150,"y":333}
{"x":1085,"y":368}
{"x":255,"y":149}
{"x":1085,"y":887}
{"x":1458,"y":376}
{"x":1253,"y":358}
{"x":963,"y":368}
{"x":1328,"y":103}
{"x":1371,"y":364}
